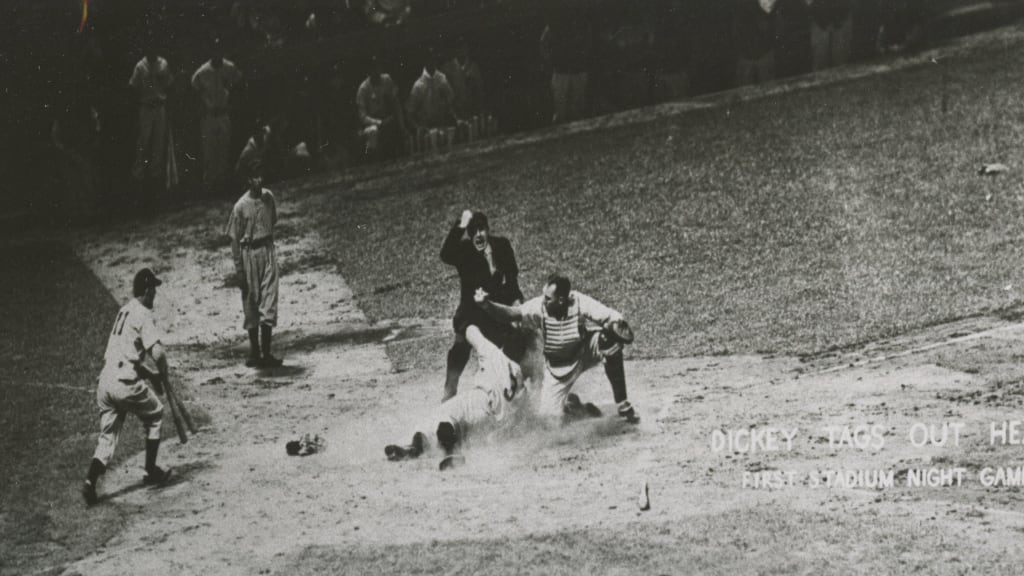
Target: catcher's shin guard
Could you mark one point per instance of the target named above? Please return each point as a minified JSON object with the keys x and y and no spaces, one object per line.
{"x":616,"y":372}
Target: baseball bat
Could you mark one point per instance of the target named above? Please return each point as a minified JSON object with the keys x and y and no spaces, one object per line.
{"x":179,"y":425}
{"x":189,"y":422}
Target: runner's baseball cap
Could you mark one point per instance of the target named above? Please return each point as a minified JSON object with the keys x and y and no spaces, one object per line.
{"x":144,"y":280}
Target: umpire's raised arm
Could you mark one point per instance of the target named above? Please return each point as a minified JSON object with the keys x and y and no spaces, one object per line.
{"x":452,"y":247}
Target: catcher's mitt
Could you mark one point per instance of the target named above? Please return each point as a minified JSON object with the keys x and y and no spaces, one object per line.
{"x":619,"y":331}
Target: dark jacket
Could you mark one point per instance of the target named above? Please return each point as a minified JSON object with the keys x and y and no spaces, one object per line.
{"x":502,"y":286}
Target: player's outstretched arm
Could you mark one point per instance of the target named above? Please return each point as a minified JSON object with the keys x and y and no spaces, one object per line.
{"x":498,"y":311}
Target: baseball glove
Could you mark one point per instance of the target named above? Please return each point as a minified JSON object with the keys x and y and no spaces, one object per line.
{"x":619,"y":331}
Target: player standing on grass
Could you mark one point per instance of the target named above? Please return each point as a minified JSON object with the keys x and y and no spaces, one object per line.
{"x":251,"y":229}
{"x":133,"y":351}
{"x":577,"y":333}
{"x":483,"y":261}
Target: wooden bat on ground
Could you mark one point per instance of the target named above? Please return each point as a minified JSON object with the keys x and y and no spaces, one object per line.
{"x":189,"y":422}
{"x":179,"y":425}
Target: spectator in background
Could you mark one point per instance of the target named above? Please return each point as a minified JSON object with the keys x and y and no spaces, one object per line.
{"x":151,"y":80}
{"x":380,"y":113}
{"x":626,"y":43}
{"x":74,"y":134}
{"x":712,"y":51}
{"x":671,"y":52}
{"x":566,"y":45}
{"x":431,"y":106}
{"x":213,"y":82}
{"x":792,"y":38}
{"x":831,"y":32}
{"x":467,"y":84}
{"x":900,"y":27}
{"x":754,"y":31}
{"x":387,"y":12}
{"x":255,"y":152}
{"x":247,"y":33}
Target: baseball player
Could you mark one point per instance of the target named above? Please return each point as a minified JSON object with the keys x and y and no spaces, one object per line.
{"x":151,"y":78}
{"x":256,"y":149}
{"x":494,"y":397}
{"x":577,"y":333}
{"x":133,"y":353}
{"x":213,"y":82}
{"x":483,"y":261}
{"x":251,"y":229}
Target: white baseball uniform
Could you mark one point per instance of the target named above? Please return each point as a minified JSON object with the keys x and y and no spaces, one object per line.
{"x":121,"y":390}
{"x":571,"y":345}
{"x":251,"y":228}
{"x":496,"y":391}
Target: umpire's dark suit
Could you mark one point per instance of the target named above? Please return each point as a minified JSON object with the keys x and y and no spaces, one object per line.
{"x":474,"y":272}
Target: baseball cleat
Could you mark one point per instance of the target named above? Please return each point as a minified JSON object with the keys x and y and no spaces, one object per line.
{"x":89,"y":493}
{"x":270,"y":362}
{"x":627,"y":413}
{"x":447,"y":437}
{"x":452,"y":461}
{"x":157,"y":477}
{"x":253,"y":361}
{"x":395,"y":453}
{"x":575,"y":408}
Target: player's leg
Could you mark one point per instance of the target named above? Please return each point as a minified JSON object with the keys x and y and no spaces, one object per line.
{"x":414,"y":449}
{"x":459,"y":416}
{"x":497,"y":372}
{"x":556,"y":399}
{"x":458,"y":355}
{"x":158,"y":144}
{"x":483,"y":346}
{"x":268,"y":305}
{"x":142,"y":141}
{"x":208,"y":146}
{"x":449,"y":423}
{"x":221,"y":152}
{"x":601,"y":350}
{"x":145,"y":404}
{"x":250,"y":306}
{"x":111,"y":422}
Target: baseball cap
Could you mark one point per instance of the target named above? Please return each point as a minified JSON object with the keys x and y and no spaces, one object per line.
{"x":252,"y":165}
{"x":145,"y":279}
{"x":476,"y":222}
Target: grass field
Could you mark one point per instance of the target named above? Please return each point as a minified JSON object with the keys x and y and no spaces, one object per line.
{"x":795,"y":223}
{"x":56,"y":318}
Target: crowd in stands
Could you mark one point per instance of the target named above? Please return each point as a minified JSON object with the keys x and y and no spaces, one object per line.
{"x":166,"y":114}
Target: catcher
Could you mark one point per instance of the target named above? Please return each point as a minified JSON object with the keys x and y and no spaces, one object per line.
{"x":577,"y":333}
{"x":134,"y":372}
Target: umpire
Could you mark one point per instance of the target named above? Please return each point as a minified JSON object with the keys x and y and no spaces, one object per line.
{"x":483,"y":261}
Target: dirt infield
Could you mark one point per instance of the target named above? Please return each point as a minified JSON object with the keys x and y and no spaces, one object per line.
{"x":755,"y":463}
{"x":547,"y":501}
